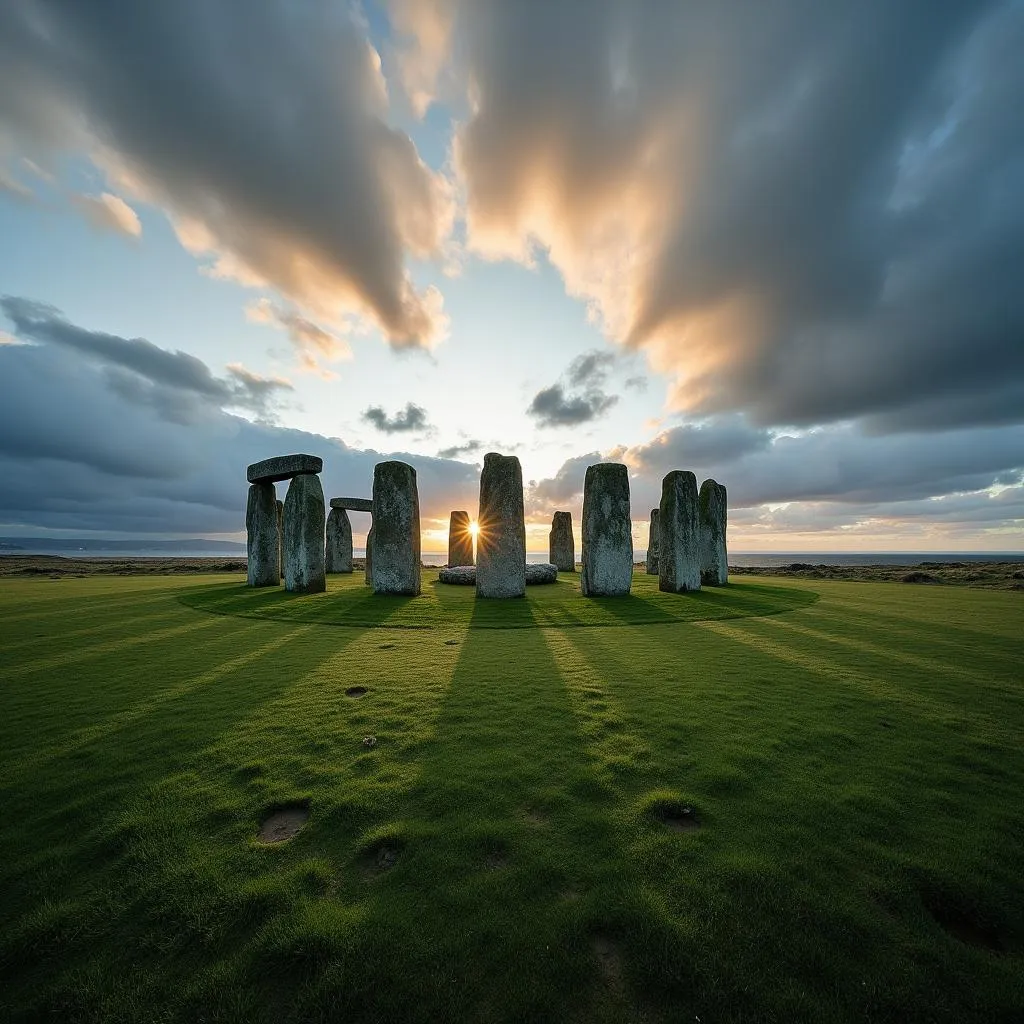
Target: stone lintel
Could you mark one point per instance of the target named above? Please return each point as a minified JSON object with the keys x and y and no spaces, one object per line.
{"x":283,"y":467}
{"x":353,"y":504}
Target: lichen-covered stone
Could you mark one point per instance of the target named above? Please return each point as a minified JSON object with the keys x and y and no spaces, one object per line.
{"x":653,"y":541}
{"x":541,"y":572}
{"x":561,"y":545}
{"x":679,"y":534}
{"x":304,"y":523}
{"x":714,"y":560}
{"x":607,"y":532}
{"x":264,"y":566}
{"x":458,"y":575}
{"x":369,"y":557}
{"x":353,"y":504}
{"x":460,"y":540}
{"x":338,"y":550}
{"x":280,"y":535}
{"x":501,"y":541}
{"x":396,"y":529}
{"x":283,"y":467}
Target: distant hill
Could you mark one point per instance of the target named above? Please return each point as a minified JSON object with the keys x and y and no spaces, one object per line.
{"x":80,"y":544}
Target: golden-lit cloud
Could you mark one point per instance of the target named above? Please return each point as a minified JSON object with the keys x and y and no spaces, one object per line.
{"x":109,"y":213}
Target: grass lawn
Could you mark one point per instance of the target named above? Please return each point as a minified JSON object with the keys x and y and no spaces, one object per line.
{"x":780,"y":801}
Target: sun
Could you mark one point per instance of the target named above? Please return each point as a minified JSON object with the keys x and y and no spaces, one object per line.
{"x":474,"y":530}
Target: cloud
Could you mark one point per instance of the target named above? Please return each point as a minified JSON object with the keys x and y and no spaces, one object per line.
{"x":311,"y":341}
{"x":554,"y":406}
{"x":637,"y":383}
{"x":411,"y":418}
{"x":263,"y":133}
{"x":178,"y":385}
{"x":807,"y":213}
{"x":468,"y":448}
{"x":108,"y":212}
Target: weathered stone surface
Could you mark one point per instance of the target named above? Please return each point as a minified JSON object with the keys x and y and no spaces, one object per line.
{"x":501,"y":542}
{"x":541,"y":572}
{"x":561,"y":546}
{"x":458,"y":575}
{"x":353,"y":504}
{"x":607,"y":532}
{"x":714,"y":558}
{"x":396,"y":529}
{"x":338,"y":549}
{"x":264,"y":568}
{"x":653,"y":540}
{"x":304,"y":521}
{"x":280,"y":535}
{"x":460,"y":540}
{"x":679,"y":534}
{"x":369,"y":557}
{"x":465,"y":575}
{"x":283,"y":467}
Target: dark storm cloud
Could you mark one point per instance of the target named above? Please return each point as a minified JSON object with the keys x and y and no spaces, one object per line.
{"x":468,"y":448}
{"x":411,"y":418}
{"x":260,"y":127}
{"x":75,"y":455}
{"x":555,"y":406}
{"x":179,"y":385}
{"x":807,"y":212}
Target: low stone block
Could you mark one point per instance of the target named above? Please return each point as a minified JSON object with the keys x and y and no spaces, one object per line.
{"x":607,"y":532}
{"x":458,"y":575}
{"x":501,"y":540}
{"x":541,"y":572}
{"x":304,"y":524}
{"x":679,"y":532}
{"x":283,"y":467}
{"x":338,"y":549}
{"x":653,"y":541}
{"x":537,"y":573}
{"x":396,"y":529}
{"x":561,"y":545}
{"x":460,"y":540}
{"x":714,"y":561}
{"x":261,"y":539}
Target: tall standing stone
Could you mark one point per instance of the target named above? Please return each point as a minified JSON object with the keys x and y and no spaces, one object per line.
{"x":304,"y":520}
{"x":714,"y":561}
{"x":501,"y":540}
{"x":338,"y":550}
{"x":396,"y":529}
{"x":460,"y":540}
{"x":607,"y":532}
{"x":679,"y":534}
{"x":369,"y":557}
{"x":561,"y":546}
{"x":653,"y":543}
{"x":261,"y":536}
{"x":280,"y":535}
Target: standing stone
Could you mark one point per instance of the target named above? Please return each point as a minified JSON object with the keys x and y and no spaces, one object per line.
{"x":714,"y":561}
{"x":653,"y":541}
{"x":679,"y":534}
{"x":338,"y":551}
{"x":501,"y":540}
{"x":607,"y":532}
{"x":561,"y":546}
{"x":304,"y":535}
{"x":460,"y":540}
{"x":369,"y":557}
{"x":396,"y":529}
{"x":280,"y":535}
{"x":261,"y":536}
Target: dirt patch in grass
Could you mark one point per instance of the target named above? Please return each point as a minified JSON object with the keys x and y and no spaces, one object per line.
{"x":355,"y":691}
{"x":964,"y":927}
{"x":380,"y":856}
{"x":609,"y":960}
{"x":282,"y":822}
{"x":677,"y":816}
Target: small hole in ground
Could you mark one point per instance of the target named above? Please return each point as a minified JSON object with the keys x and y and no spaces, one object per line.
{"x":355,"y":691}
{"x":284,"y":821}
{"x":381,"y":856}
{"x":678,"y":817}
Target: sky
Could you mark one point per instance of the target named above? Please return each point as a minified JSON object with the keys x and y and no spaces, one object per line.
{"x":777,"y":244}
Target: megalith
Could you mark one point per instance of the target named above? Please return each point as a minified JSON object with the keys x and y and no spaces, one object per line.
{"x":561,"y":546}
{"x":338,"y":548}
{"x":679,"y":553}
{"x":396,"y":529}
{"x":261,"y":544}
{"x":501,"y":537}
{"x":653,"y":541}
{"x":369,"y":557}
{"x":607,"y":532}
{"x":714,"y":559}
{"x":280,"y":535}
{"x":304,"y":522}
{"x":460,"y":540}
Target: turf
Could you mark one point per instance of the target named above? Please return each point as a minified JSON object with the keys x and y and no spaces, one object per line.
{"x":785,"y":800}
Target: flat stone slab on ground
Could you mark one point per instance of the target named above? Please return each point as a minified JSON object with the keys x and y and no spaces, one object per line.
{"x":353,"y":504}
{"x":283,"y":467}
{"x":465,"y":575}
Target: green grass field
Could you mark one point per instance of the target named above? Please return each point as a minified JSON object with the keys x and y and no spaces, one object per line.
{"x":779,"y":801}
